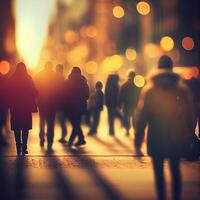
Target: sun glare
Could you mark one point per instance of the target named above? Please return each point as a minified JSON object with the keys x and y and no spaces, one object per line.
{"x":32,"y":21}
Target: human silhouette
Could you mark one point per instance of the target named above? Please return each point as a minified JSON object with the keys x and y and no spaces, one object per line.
{"x":21,"y":97}
{"x":76,"y":95}
{"x":47,"y":82}
{"x":128,"y":98}
{"x":166,"y":107}
{"x":194,"y":85}
{"x":111,"y":101}
{"x":97,"y":107}
{"x":60,"y":113}
{"x":3,"y":107}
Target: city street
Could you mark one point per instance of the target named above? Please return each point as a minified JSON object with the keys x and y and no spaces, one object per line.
{"x":105,"y":168}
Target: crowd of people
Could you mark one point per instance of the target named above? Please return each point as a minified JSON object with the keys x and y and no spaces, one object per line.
{"x":166,"y":105}
{"x":55,"y":97}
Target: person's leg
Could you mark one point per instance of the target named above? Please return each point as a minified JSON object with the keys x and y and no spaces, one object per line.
{"x":24,"y":141}
{"x":127,"y":121}
{"x":96,"y":116}
{"x":81,"y":139}
{"x":62,"y":122}
{"x":74,"y":131}
{"x":159,"y":177}
{"x":17,"y":134}
{"x":176,"y":178}
{"x":111,"y":121}
{"x":42,"y":127}
{"x":50,"y":128}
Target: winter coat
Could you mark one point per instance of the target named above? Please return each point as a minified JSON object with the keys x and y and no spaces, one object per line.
{"x":128,"y":96}
{"x":166,"y":107}
{"x":76,"y":94}
{"x":21,"y":97}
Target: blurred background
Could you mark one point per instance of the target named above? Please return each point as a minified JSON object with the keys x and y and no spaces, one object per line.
{"x":100,"y":36}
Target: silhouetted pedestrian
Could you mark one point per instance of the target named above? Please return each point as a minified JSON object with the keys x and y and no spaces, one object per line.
{"x":166,"y":107}
{"x":76,"y":95}
{"x":47,"y":82}
{"x":3,"y":108}
{"x":97,"y":107}
{"x":112,"y":101}
{"x":194,"y":85}
{"x":60,"y":113}
{"x":128,"y":98}
{"x":22,"y":95}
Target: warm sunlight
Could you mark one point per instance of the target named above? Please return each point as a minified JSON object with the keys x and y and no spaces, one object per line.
{"x":32,"y":21}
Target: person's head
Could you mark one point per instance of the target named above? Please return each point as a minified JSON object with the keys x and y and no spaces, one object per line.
{"x":49,"y":65}
{"x":76,"y":70}
{"x":165,"y":62}
{"x":21,"y":68}
{"x":59,"y":68}
{"x":131,"y":75}
{"x":99,"y":85}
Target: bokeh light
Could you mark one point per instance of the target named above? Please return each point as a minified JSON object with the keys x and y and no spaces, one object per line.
{"x":91,"y":67}
{"x":71,"y":37}
{"x":151,"y":50}
{"x":131,"y":54}
{"x":118,"y":11}
{"x":139,"y":81}
{"x":167,"y":43}
{"x":112,"y":63}
{"x":91,"y":31}
{"x":78,"y":54}
{"x":4,"y":67}
{"x":143,"y":8}
{"x":188,"y":43}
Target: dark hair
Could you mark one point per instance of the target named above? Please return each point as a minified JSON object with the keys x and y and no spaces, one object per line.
{"x":76,"y":70}
{"x":131,"y":74}
{"x":165,"y":62}
{"x":99,"y":85}
{"x":21,"y":68}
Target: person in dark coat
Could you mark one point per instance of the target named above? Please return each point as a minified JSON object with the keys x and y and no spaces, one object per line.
{"x":112,"y":101}
{"x":128,"y":98}
{"x":97,"y":107}
{"x":3,"y":108}
{"x":47,"y":82}
{"x":60,"y":113}
{"x":22,"y":95}
{"x":166,"y":107}
{"x":194,"y":85}
{"x":76,"y":95}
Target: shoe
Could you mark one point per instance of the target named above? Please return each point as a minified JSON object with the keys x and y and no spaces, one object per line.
{"x":25,"y":151}
{"x":41,"y":143}
{"x":80,"y":143}
{"x":62,"y":141}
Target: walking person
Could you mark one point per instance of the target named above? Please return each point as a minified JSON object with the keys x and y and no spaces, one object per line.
{"x":76,"y":95}
{"x":22,"y":95}
{"x":47,"y":82}
{"x":166,"y":107}
{"x":97,"y":107}
{"x":3,"y":108}
{"x":111,"y":101}
{"x":61,"y":117}
{"x":128,"y":98}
